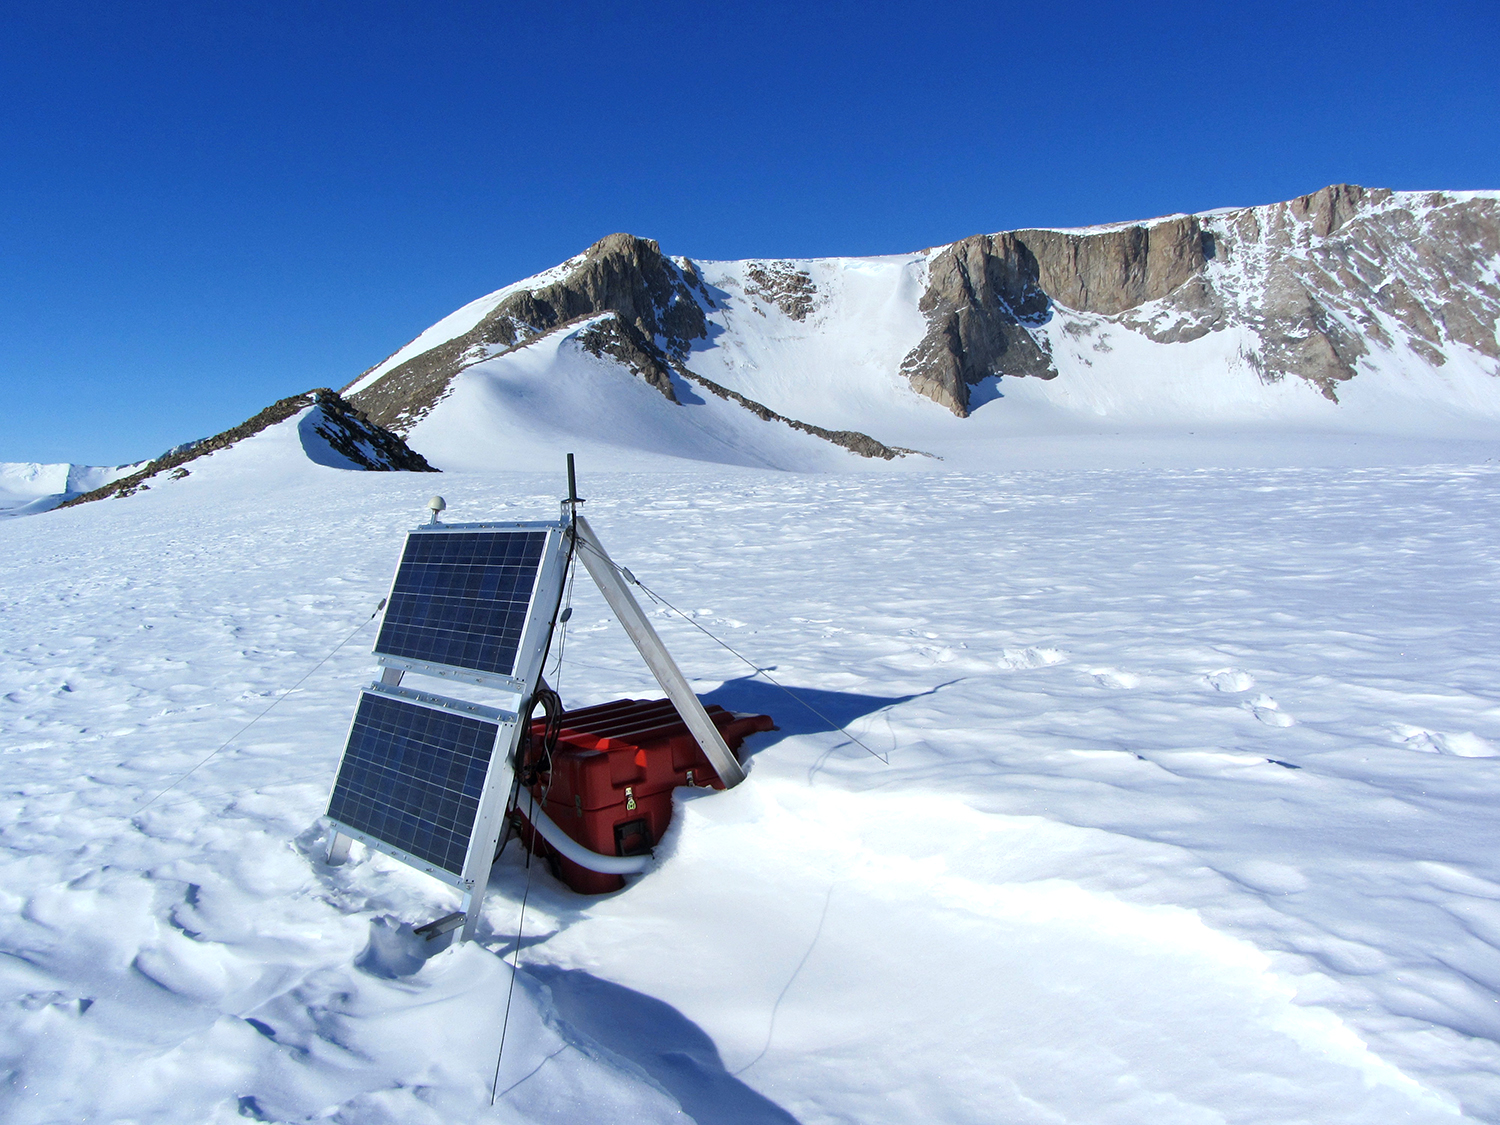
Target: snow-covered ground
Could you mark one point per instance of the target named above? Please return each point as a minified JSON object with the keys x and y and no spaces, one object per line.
{"x":27,"y":488}
{"x":518,"y":409}
{"x":1188,"y":814}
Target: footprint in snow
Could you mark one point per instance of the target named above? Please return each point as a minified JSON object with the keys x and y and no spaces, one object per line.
{"x":1268,"y":711}
{"x":36,"y":1001}
{"x":1230,"y":679}
{"x":1114,"y":678}
{"x":1466,"y":744}
{"x":1016,"y":659}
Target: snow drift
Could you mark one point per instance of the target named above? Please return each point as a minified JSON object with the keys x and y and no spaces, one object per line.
{"x":1188,"y":813}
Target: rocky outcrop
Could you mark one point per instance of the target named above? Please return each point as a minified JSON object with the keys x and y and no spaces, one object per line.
{"x":1120,"y":268}
{"x":1319,"y":280}
{"x":1325,"y":278}
{"x":1326,"y":211}
{"x":659,"y":306}
{"x":347,"y":430}
{"x":615,"y":337}
{"x":983,"y":299}
{"x":782,"y":285}
{"x":352,"y":434}
{"x":987,"y":294}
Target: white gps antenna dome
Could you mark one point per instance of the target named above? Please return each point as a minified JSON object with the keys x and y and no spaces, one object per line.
{"x":435,"y":505}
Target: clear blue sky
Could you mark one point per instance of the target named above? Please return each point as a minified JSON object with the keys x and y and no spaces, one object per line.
{"x":205,"y":207}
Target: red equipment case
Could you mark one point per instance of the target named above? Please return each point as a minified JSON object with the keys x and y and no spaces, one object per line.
{"x":613,"y":771}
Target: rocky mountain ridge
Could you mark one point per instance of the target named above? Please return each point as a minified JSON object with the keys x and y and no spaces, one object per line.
{"x":628,"y":301}
{"x":354,"y":441}
{"x":1310,"y":287}
{"x":1320,"y":279}
{"x":658,"y":307}
{"x":1347,"y":310}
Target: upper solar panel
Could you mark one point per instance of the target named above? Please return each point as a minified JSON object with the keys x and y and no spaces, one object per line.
{"x":412,"y":776}
{"x":461,"y":598}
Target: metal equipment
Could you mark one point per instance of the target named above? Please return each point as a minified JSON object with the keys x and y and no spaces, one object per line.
{"x":426,"y":778}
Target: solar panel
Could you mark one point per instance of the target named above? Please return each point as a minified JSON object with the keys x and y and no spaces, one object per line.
{"x":412,"y":777}
{"x":425,"y":778}
{"x":461,"y":598}
{"x":420,"y":778}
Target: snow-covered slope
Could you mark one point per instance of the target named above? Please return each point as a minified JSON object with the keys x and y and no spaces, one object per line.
{"x":1328,"y":322}
{"x":459,"y":322}
{"x":525,"y":407}
{"x":289,"y":441}
{"x":27,"y":487}
{"x":1185,"y":810}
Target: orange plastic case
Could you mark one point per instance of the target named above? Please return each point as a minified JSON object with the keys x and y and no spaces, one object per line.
{"x":613,"y":771}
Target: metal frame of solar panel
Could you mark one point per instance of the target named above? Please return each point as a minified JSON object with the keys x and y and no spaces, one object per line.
{"x":424,"y":778}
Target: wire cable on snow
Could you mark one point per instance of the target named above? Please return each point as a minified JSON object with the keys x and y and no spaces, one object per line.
{"x":515,"y":970}
{"x":560,"y":617}
{"x":268,"y":710}
{"x":563,"y":617}
{"x":759,"y":671}
{"x":776,"y":1007}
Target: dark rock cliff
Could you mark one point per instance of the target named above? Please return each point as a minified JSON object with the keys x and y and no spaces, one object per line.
{"x":987,"y":294}
{"x":1319,"y":280}
{"x":983,"y":298}
{"x":1113,"y":270}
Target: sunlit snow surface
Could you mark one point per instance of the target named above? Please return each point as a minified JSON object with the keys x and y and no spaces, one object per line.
{"x":27,"y":489}
{"x":1190,"y":813}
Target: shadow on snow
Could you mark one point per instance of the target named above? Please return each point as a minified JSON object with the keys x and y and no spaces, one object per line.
{"x":800,"y":710}
{"x":660,"y":1040}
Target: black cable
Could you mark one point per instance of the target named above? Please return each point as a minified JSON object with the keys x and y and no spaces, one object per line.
{"x":530,"y":762}
{"x":563,"y":619}
{"x":530,"y":766}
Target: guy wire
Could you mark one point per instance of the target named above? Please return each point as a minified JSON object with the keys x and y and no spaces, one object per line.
{"x":565,"y":600}
{"x":268,"y":710}
{"x":515,"y":970}
{"x":759,"y":671}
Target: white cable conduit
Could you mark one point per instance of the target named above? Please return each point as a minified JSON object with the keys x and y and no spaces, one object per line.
{"x":570,"y":848}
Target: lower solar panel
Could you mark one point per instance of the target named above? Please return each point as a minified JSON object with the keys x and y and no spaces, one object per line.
{"x":412,"y":776}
